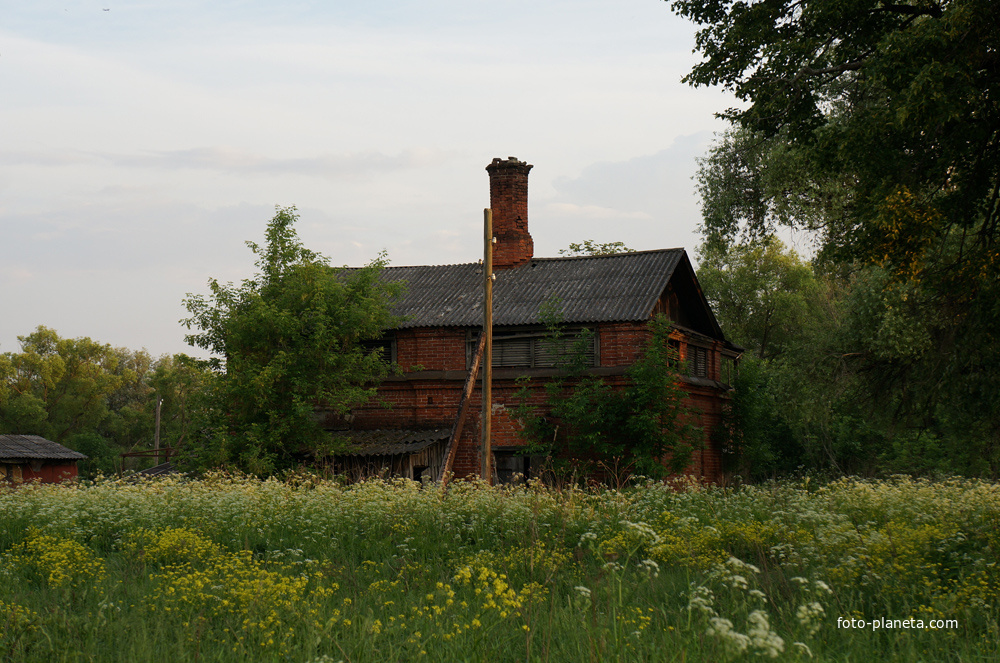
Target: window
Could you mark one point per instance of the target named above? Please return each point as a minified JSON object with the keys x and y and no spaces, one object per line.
{"x":511,"y":467}
{"x":728,"y":370}
{"x":673,"y":352}
{"x":386,"y":343}
{"x":534,"y":348}
{"x":697,"y":358}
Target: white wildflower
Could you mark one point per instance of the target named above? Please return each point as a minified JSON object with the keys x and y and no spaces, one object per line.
{"x":723,"y":629}
{"x":803,"y":647}
{"x":645,"y":530}
{"x":739,"y":564}
{"x":761,"y":635}
{"x":701,"y":600}
{"x":738,"y":582}
{"x":650,"y":567}
{"x":809,"y":615}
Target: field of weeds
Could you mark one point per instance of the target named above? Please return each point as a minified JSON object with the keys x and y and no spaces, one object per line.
{"x":237,"y":569}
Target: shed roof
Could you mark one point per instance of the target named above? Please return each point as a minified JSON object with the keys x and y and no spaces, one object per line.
{"x":33,"y":447}
{"x":612,"y":288}
{"x":384,"y":442}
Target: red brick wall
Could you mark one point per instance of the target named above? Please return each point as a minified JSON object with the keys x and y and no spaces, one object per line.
{"x":430,"y":399}
{"x":434,"y":348}
{"x":622,"y":343}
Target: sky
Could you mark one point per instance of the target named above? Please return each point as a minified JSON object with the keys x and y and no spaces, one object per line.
{"x":143,"y":142}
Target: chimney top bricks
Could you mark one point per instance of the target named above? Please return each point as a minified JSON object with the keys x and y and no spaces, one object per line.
{"x":509,"y":202}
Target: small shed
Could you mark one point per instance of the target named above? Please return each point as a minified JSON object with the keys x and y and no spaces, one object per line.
{"x":413,"y":454}
{"x":30,"y":457}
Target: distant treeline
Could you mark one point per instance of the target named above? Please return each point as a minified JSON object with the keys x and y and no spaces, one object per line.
{"x":98,"y":399}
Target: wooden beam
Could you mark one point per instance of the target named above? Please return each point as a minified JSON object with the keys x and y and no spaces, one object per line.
{"x":486,"y":458}
{"x":463,"y":409}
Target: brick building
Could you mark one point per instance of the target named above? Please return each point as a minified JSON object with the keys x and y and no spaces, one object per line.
{"x":615,"y":296}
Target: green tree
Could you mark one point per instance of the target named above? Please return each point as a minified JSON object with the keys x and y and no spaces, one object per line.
{"x":57,"y":387}
{"x":875,"y":125}
{"x":589,"y":247}
{"x":764,"y":296}
{"x":644,"y":424}
{"x":285,"y":341}
{"x":183,"y":384}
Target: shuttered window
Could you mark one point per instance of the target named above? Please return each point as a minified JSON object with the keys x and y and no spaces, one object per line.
{"x":386,"y":344}
{"x":535,"y":348}
{"x":697,"y":361}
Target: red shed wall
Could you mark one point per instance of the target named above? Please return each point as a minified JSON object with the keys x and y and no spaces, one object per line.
{"x":50,"y":472}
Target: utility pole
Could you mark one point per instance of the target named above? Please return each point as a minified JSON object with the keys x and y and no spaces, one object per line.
{"x":486,"y":461}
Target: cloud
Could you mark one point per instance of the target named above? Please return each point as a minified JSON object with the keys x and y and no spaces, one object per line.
{"x":237,"y":161}
{"x":593,"y":212}
{"x":647,"y":201}
{"x":652,"y":184}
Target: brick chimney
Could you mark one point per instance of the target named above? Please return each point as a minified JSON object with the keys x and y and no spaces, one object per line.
{"x":509,"y":202}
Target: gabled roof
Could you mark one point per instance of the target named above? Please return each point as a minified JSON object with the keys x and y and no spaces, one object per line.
{"x":33,"y":447}
{"x":613,"y":288}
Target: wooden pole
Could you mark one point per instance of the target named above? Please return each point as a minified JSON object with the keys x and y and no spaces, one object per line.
{"x":485,"y":462}
{"x":463,"y":408}
{"x":156,"y":434}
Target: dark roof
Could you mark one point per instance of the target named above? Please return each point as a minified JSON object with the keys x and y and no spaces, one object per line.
{"x":33,"y":447}
{"x":612,"y":288}
{"x":390,"y":442}
{"x":159,"y":470}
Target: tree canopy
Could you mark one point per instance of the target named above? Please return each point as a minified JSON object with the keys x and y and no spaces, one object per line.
{"x":763,"y":295}
{"x":589,"y":247}
{"x":875,"y":126}
{"x":895,"y":101}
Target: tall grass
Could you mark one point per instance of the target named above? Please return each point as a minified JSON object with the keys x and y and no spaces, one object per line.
{"x":231,"y":568}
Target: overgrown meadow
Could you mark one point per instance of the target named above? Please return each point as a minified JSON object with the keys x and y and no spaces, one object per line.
{"x":237,"y":569}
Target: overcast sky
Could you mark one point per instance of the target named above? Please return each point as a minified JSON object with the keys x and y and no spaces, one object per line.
{"x":142,"y":142}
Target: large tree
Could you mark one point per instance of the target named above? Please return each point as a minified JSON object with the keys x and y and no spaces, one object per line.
{"x":285,"y":341}
{"x":764,"y":296}
{"x":899,"y":100}
{"x":876,"y":125}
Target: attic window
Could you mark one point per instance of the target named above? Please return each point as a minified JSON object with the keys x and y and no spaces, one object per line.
{"x":697,"y":361}
{"x":386,"y":343}
{"x":534,"y":348}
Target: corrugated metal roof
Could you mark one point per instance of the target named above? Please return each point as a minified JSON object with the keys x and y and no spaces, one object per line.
{"x":385,"y":442}
{"x":613,"y":288}
{"x":33,"y":447}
